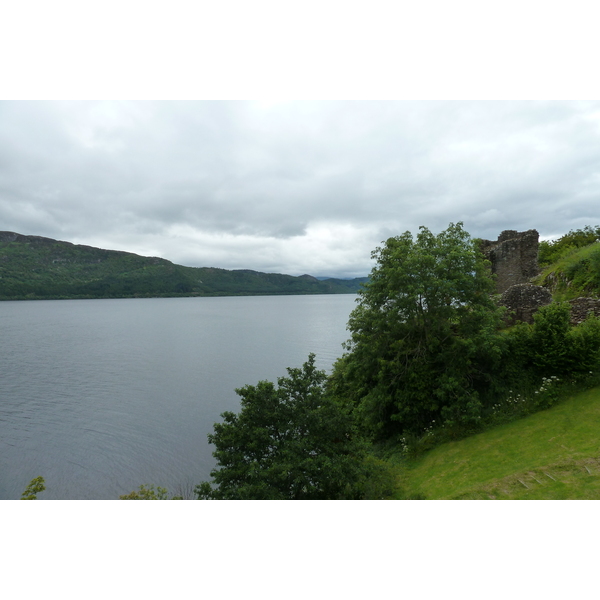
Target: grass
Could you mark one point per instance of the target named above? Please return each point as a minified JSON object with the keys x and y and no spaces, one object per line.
{"x":574,"y":274}
{"x":553,"y":454}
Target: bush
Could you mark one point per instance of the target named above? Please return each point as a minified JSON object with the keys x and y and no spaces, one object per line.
{"x":35,"y":487}
{"x":553,"y":347}
{"x":147,"y":493}
{"x":291,"y":442}
{"x":550,"y":252}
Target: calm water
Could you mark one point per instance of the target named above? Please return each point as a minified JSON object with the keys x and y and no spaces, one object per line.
{"x":100,"y":396}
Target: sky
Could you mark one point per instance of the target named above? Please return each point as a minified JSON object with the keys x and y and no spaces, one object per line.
{"x":293,"y":186}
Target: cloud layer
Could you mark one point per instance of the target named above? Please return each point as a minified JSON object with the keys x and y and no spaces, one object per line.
{"x":293,"y":187}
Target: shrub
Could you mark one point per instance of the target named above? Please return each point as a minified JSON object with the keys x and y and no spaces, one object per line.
{"x":291,"y":442}
{"x":35,"y":487}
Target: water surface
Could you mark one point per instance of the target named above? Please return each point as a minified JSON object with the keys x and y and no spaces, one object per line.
{"x":100,"y":396}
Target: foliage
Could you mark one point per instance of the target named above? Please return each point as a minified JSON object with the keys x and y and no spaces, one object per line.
{"x":148,"y":493}
{"x":291,"y":442}
{"x":523,"y":383}
{"x":553,"y":452}
{"x":424,"y":345}
{"x":552,"y":347}
{"x":574,"y":274}
{"x":35,"y":487}
{"x":550,"y":252}
{"x":34,"y":267}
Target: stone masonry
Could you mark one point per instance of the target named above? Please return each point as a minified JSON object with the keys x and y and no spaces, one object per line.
{"x":523,"y":300}
{"x":514,"y":257}
{"x":514,"y":261}
{"x":582,"y":307}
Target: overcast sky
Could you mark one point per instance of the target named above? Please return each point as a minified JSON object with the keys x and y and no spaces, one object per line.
{"x":293,"y":187}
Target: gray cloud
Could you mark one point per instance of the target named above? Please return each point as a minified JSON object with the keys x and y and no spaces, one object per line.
{"x":295,"y":187}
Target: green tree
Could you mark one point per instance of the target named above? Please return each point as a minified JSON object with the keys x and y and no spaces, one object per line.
{"x":35,"y":487}
{"x":147,"y":493}
{"x":552,"y":346}
{"x":291,"y":442}
{"x":423,"y":344}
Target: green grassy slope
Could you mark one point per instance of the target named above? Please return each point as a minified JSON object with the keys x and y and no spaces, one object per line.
{"x":576,"y":272}
{"x":34,"y":267}
{"x":554,"y":454}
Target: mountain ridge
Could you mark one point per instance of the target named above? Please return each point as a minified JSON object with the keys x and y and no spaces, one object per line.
{"x":36,"y":267}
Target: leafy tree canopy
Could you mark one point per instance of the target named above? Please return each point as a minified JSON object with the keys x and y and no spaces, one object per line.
{"x":423,"y":340}
{"x":290,"y":442}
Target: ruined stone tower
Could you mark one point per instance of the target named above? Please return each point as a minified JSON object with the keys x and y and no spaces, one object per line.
{"x":514,"y":257}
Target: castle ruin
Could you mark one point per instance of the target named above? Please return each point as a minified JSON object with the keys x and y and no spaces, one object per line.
{"x":514,"y":257}
{"x":514,"y":262}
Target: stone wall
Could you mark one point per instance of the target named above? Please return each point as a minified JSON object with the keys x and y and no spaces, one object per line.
{"x":581,"y":307}
{"x":514,"y":257}
{"x":523,"y":300}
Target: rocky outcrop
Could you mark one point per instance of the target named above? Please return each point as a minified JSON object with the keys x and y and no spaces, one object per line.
{"x":11,"y":236}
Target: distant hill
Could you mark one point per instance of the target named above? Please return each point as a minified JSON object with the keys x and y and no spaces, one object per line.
{"x":33,"y":267}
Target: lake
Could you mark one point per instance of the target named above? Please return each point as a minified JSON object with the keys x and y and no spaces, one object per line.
{"x":100,"y":396}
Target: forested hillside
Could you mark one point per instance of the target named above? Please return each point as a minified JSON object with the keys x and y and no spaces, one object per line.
{"x":33,"y":267}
